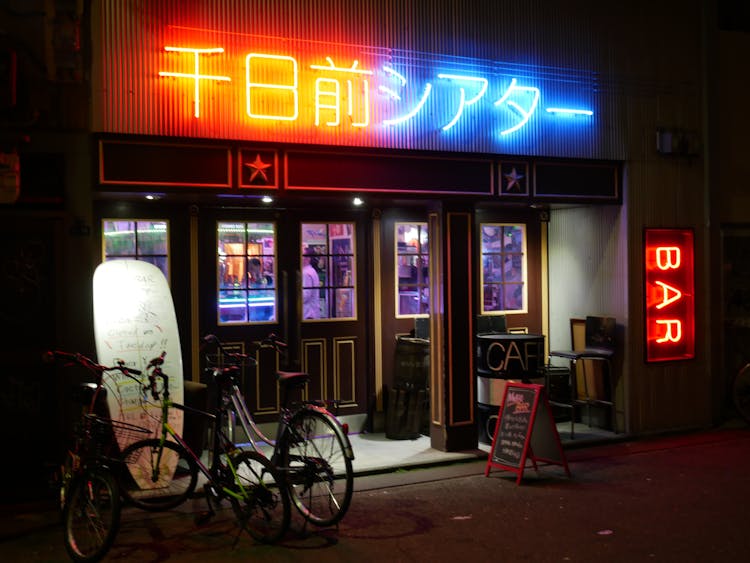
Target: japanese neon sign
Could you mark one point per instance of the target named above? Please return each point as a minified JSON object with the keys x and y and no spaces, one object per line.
{"x":669,"y":293}
{"x":207,"y":83}
{"x":272,"y":90}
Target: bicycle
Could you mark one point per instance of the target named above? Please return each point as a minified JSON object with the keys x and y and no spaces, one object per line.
{"x":89,"y":491}
{"x":741,"y":392}
{"x":161,"y":473}
{"x":312,"y":448}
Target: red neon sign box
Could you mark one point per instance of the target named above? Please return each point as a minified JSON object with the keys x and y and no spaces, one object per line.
{"x":669,"y":291}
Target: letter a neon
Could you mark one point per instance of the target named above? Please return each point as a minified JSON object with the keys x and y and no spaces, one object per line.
{"x":666,"y":299}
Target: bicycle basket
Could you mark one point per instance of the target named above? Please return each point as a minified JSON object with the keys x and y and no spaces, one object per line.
{"x":105,"y":436}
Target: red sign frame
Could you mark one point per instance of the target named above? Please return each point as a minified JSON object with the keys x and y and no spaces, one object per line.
{"x":669,"y":290}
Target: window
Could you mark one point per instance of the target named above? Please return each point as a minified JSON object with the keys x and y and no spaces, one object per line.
{"x":503,"y":268}
{"x":412,"y":270}
{"x":328,"y":273}
{"x":246,"y":266}
{"x":133,"y":239}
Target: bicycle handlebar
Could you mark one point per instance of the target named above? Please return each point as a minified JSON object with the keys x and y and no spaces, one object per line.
{"x":94,"y":367}
{"x":271,"y":340}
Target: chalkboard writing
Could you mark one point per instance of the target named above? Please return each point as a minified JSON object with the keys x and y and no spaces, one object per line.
{"x":514,"y":425}
{"x":525,"y":431}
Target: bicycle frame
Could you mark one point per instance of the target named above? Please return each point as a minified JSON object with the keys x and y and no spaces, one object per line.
{"x":79,"y":455}
{"x":253,"y":432}
{"x":218,"y":446}
{"x":311,"y":450}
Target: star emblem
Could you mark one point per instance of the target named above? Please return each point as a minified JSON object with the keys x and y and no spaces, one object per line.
{"x":513,"y":181}
{"x":258,"y":168}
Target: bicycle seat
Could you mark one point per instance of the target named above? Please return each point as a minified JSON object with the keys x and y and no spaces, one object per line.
{"x":292,"y":378}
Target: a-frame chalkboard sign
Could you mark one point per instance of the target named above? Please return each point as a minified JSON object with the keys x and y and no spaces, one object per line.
{"x":525,"y":431}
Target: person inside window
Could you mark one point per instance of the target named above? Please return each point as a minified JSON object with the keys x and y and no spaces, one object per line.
{"x":310,"y":288}
{"x":255,"y":275}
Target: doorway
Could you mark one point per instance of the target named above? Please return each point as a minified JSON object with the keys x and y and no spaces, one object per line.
{"x":302,"y":276}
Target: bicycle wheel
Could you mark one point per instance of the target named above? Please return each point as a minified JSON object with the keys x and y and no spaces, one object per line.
{"x":741,"y":393}
{"x":264,"y":511}
{"x":91,"y":516}
{"x":318,"y":472}
{"x":156,"y":476}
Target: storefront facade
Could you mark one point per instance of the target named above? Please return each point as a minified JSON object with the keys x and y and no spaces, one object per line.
{"x":507,"y":161}
{"x":191,"y":103}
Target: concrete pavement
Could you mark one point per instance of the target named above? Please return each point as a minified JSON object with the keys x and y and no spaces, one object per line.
{"x":682,"y":497}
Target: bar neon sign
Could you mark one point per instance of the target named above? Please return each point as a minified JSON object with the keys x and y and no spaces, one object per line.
{"x":669,"y":291}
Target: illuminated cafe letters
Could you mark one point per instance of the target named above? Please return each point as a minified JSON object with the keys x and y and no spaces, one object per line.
{"x":512,"y":357}
{"x":670,"y":306}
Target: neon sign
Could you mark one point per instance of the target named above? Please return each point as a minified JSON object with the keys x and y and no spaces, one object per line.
{"x":670,"y":305}
{"x":189,"y":78}
{"x":278,"y":76}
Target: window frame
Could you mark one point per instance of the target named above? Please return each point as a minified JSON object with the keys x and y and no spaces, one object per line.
{"x":245,"y":287}
{"x":524,"y":279}
{"x":422,"y":283}
{"x":332,"y":258}
{"x":136,"y":255}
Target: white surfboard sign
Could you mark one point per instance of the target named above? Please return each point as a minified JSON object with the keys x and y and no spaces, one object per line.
{"x":135,"y":321}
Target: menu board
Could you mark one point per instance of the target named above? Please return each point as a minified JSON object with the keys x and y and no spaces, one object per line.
{"x":525,"y":431}
{"x":514,"y":422}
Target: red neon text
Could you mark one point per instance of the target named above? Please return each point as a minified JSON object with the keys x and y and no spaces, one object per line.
{"x":670,"y":307}
{"x":272,"y":88}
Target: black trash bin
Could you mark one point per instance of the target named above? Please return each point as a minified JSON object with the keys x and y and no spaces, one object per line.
{"x":412,"y":367}
{"x":407,"y":404}
{"x":404,"y":412}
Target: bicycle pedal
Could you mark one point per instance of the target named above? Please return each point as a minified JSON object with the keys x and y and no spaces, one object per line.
{"x":211,"y":491}
{"x":204,"y":517}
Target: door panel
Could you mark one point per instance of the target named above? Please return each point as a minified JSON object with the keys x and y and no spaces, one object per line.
{"x":332,"y":327}
{"x":333,"y":347}
{"x":393,"y":271}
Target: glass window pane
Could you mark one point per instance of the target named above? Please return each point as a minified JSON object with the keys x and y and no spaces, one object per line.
{"x":152,"y":237}
{"x":229,"y":233}
{"x":343,"y":266}
{"x":513,"y":297}
{"x":158,"y":261}
{"x":246,"y":263}
{"x":491,"y":238}
{"x":344,"y":301}
{"x":232,"y":307}
{"x":328,"y":270}
{"x":412,"y":269}
{"x":137,"y":240}
{"x":408,"y":298}
{"x":503,"y":267}
{"x":262,"y":305}
{"x":119,"y":238}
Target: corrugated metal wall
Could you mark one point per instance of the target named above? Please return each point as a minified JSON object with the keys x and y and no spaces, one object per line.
{"x":550,"y":49}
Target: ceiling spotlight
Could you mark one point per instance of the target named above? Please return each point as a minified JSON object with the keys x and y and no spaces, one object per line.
{"x":267,"y":199}
{"x":358,"y":201}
